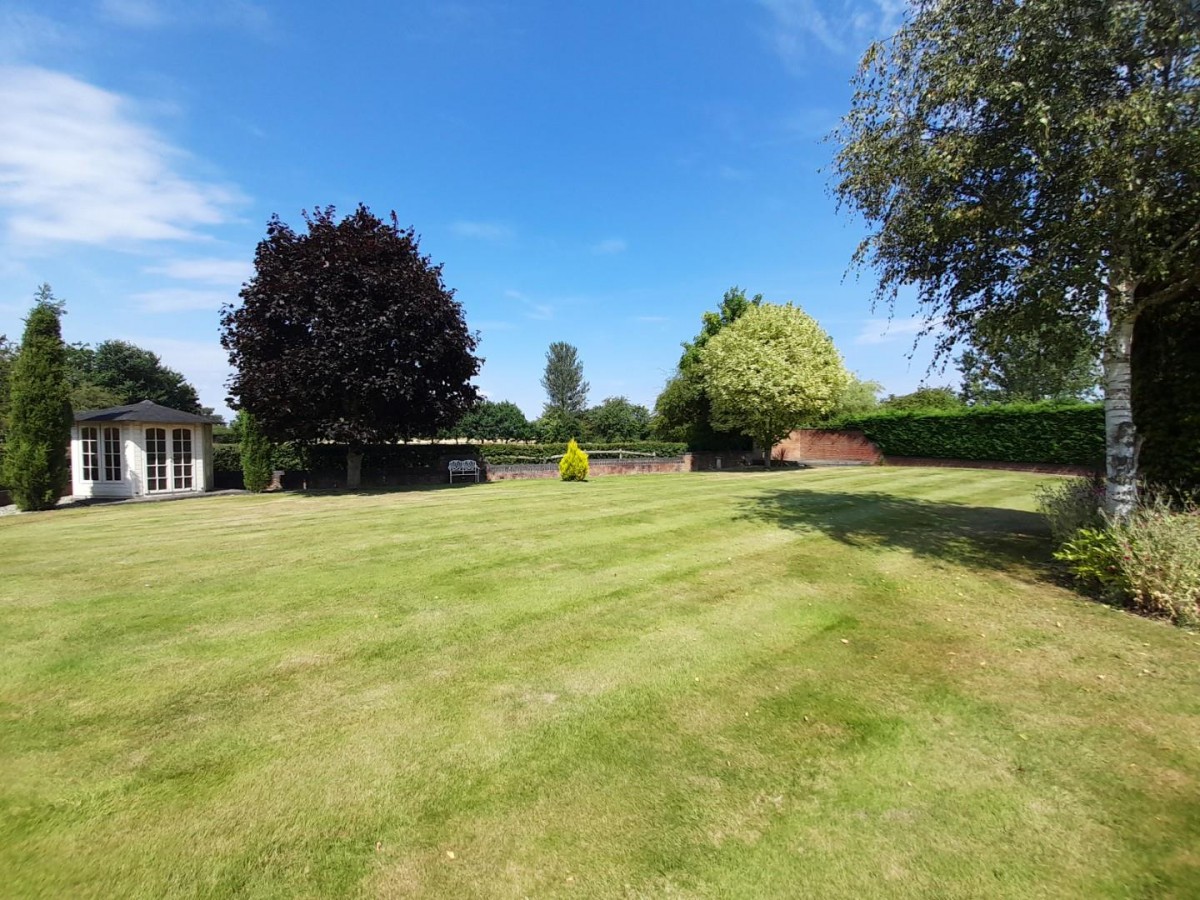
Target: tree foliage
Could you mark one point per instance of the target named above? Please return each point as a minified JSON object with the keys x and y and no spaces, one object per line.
{"x":556,"y":426}
{"x":492,"y":421}
{"x":8,"y":354}
{"x":858,"y":399}
{"x":616,"y":419}
{"x":566,"y":391}
{"x":39,"y":429}
{"x":771,"y":371}
{"x":683,"y":411}
{"x":1166,"y":394}
{"x":1006,"y":362}
{"x":346,"y":333}
{"x":116,"y":373}
{"x":1036,"y":161}
{"x":923,"y":399}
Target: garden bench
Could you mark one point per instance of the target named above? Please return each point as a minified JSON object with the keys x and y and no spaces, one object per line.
{"x":463,"y":468}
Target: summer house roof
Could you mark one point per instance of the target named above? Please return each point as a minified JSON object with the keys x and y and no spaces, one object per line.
{"x":146,"y":411}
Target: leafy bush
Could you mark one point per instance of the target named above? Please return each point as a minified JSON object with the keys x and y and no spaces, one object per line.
{"x":1150,"y":561}
{"x":574,"y":464}
{"x":1029,"y":433}
{"x":1094,"y":557}
{"x":1071,"y":505}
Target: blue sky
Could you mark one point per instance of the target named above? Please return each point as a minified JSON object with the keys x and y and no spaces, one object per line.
{"x":593,"y":173}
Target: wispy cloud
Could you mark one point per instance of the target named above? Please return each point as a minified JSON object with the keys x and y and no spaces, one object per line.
{"x":172,"y":300}
{"x":483,"y":231}
{"x":23,"y":33}
{"x":494,"y":325}
{"x":76,"y":167}
{"x":609,"y":246}
{"x":800,"y":27}
{"x":886,"y":331}
{"x":134,"y":13}
{"x":241,"y":15}
{"x":533,"y":309}
{"x":232,"y":272}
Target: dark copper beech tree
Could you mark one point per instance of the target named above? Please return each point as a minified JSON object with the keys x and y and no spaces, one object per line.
{"x":347,"y":334}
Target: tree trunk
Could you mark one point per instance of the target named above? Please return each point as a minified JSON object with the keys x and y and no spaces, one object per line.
{"x":354,"y":457}
{"x":1120,"y":434}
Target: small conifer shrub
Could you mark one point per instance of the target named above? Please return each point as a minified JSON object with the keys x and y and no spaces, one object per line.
{"x":256,"y":455}
{"x":574,"y":464}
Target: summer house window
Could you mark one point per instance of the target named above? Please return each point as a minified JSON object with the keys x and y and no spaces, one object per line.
{"x":112,"y":454}
{"x":89,"y":439}
{"x":181,"y":446}
{"x":156,"y":459}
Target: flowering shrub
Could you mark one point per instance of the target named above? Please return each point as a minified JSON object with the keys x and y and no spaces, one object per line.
{"x":1150,"y":561}
{"x":574,"y":464}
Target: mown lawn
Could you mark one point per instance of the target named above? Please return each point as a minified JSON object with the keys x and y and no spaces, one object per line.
{"x":837,"y":683}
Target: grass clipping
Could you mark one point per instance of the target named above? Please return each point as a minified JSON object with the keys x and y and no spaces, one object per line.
{"x":574,"y":464}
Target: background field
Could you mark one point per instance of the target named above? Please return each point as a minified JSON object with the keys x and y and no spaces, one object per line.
{"x":828,"y":683}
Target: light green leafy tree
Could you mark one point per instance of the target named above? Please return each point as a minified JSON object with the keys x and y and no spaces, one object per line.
{"x":682,"y":411}
{"x":1039,"y":160}
{"x":771,"y":371}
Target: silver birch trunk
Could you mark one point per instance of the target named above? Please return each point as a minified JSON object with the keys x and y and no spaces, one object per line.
{"x":354,"y":460}
{"x":1120,"y":435}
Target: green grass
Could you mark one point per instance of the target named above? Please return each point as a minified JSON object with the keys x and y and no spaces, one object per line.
{"x":838,"y":683}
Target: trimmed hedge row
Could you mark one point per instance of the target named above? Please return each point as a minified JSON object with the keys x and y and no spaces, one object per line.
{"x":1060,"y":435}
{"x":505,"y":454}
{"x":392,"y":457}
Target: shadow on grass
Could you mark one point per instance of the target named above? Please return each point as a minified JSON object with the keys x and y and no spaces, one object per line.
{"x":380,"y":491}
{"x":987,"y":537}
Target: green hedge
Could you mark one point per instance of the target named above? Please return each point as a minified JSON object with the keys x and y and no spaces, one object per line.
{"x":504,"y":454}
{"x":331,"y":458}
{"x":1059,"y":435}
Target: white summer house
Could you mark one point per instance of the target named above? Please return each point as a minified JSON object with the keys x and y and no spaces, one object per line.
{"x":139,"y":450}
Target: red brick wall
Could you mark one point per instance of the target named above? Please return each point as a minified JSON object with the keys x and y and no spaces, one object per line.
{"x":829,"y":446}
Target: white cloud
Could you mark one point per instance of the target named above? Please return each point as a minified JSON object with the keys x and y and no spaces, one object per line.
{"x":232,"y":272}
{"x":886,"y":331}
{"x":76,"y":167}
{"x":844,"y":28}
{"x":484,"y":231}
{"x":609,"y":246}
{"x":170,"y":300}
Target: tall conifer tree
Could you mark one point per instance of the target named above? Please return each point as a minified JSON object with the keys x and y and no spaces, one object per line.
{"x":36,"y":467}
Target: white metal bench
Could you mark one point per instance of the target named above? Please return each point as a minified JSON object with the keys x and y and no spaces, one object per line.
{"x":464,"y":468}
